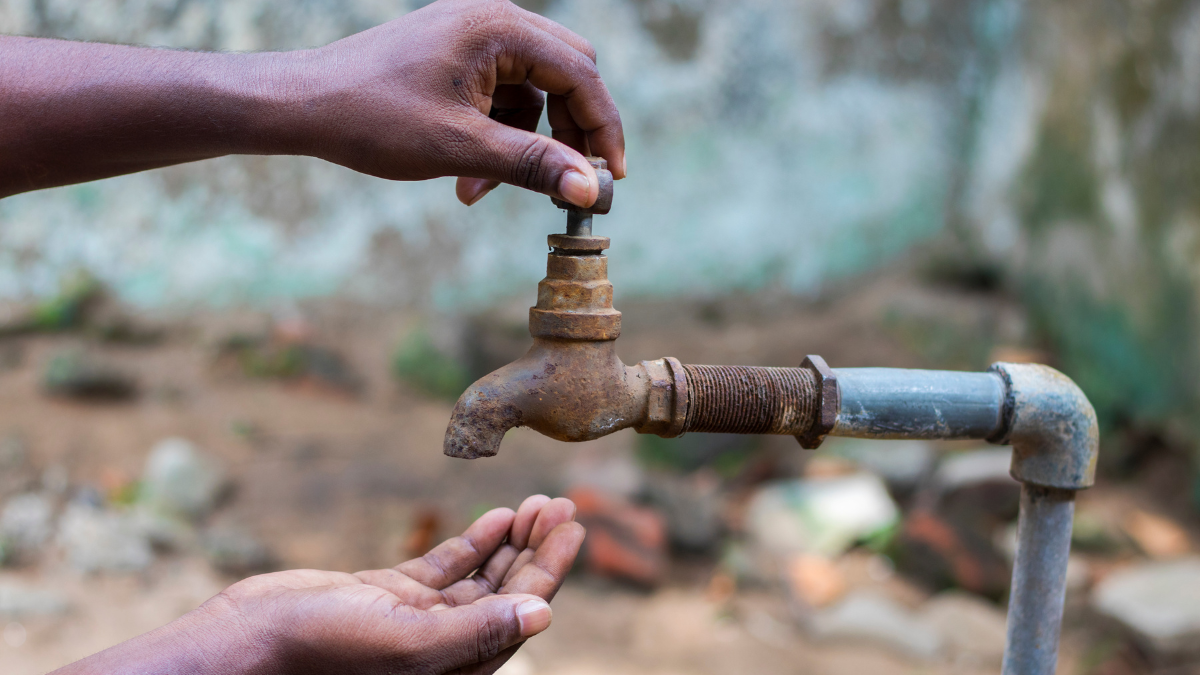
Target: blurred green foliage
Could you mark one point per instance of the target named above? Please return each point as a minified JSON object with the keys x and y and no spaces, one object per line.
{"x":726,"y":454}
{"x":66,"y":310}
{"x":419,"y":363}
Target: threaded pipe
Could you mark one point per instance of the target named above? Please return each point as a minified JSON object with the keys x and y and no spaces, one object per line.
{"x":750,"y":400}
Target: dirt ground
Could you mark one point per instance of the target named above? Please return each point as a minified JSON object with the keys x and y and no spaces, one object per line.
{"x":335,"y":482}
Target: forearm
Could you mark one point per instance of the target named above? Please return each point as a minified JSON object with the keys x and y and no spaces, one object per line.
{"x":196,"y":643}
{"x":77,"y":111}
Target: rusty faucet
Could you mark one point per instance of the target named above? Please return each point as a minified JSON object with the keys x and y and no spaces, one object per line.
{"x":571,"y":386}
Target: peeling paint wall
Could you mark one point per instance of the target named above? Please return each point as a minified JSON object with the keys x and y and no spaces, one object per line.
{"x":774,"y":143}
{"x":770,"y":143}
{"x":1084,"y":187}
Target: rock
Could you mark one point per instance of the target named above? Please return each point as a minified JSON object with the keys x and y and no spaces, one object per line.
{"x":180,"y":480}
{"x":287,"y":357}
{"x":972,"y":628}
{"x":236,"y":552}
{"x":1155,"y":535}
{"x":18,"y":601}
{"x":616,"y":473}
{"x":820,"y":516}
{"x":164,"y":531}
{"x":95,"y":540}
{"x":814,"y":580}
{"x":976,"y":485}
{"x":28,"y":521}
{"x":16,"y":473}
{"x":75,"y":375}
{"x":624,"y":541}
{"x":692,"y":506}
{"x":1159,"y":602}
{"x":867,"y":616}
{"x":942,"y":553}
{"x":901,"y":464}
{"x":1079,"y":570}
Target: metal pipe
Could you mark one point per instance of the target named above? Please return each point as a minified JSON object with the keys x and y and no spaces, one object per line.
{"x":1039,"y":581}
{"x":891,"y":403}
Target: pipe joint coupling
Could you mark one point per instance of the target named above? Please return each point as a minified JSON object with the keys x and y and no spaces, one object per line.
{"x":1051,"y":426}
{"x":666,"y":403}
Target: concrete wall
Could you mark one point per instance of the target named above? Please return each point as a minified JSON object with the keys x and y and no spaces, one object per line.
{"x":760,"y":152}
{"x":771,"y":143}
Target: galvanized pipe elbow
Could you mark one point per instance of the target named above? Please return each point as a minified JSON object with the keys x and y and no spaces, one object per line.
{"x":1051,"y":426}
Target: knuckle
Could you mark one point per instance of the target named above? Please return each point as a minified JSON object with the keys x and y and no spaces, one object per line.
{"x":491,"y":637}
{"x":531,"y":169}
{"x":587,"y":49}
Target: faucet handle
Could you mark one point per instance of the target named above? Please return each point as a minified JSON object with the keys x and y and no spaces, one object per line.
{"x":579,"y":219}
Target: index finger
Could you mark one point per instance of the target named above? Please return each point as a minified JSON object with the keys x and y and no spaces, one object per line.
{"x":455,"y":558}
{"x":557,"y":68}
{"x":545,"y":573}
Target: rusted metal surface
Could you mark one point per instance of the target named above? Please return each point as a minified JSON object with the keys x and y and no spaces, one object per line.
{"x":570,"y":390}
{"x":667,"y":399}
{"x":1052,"y":427}
{"x":579,"y":219}
{"x":750,"y":400}
{"x":572,"y":386}
{"x":575,"y":300}
{"x":829,"y":399}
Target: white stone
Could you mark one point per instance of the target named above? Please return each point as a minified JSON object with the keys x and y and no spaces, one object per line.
{"x":973,"y":628}
{"x":823,"y":516}
{"x":96,"y":540}
{"x":180,"y":480}
{"x":18,"y":601}
{"x":28,"y":520}
{"x":868,"y":616}
{"x":1158,"y":601}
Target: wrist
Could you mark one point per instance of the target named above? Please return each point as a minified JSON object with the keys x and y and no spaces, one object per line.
{"x":281,"y":88}
{"x":213,"y":638}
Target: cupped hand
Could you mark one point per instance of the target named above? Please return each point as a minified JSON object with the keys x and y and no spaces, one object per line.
{"x":465,"y":608}
{"x":456,"y":89}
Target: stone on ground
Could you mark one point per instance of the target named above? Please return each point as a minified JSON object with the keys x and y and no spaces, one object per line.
{"x":820,"y":516}
{"x":865,"y":616}
{"x":624,"y":541}
{"x":973,"y":629}
{"x":1159,"y":602}
{"x":181,"y":480}
{"x":95,"y":540}
{"x":28,"y":521}
{"x":19,"y":601}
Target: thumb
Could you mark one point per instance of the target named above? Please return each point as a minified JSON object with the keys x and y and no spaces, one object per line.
{"x":469,"y":634}
{"x":531,"y":161}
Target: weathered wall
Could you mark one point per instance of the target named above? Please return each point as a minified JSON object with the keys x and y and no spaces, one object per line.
{"x":771,"y":142}
{"x":765,"y":146}
{"x":1084,"y":177}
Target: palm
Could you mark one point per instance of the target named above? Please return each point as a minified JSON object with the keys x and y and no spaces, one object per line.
{"x":530,"y":551}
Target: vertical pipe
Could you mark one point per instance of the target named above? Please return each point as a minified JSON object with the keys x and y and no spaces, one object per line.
{"x":1035,"y":607}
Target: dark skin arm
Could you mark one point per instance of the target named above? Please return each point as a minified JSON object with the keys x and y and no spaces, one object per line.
{"x":453,"y":89}
{"x":426,"y":616}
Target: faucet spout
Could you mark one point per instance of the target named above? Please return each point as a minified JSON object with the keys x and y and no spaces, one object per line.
{"x":570,"y":385}
{"x":569,"y":390}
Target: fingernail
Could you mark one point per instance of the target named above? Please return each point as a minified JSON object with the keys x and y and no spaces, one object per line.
{"x":534,"y":616}
{"x":479,"y":195}
{"x":439,"y":607}
{"x":574,"y":187}
{"x":624,"y":168}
